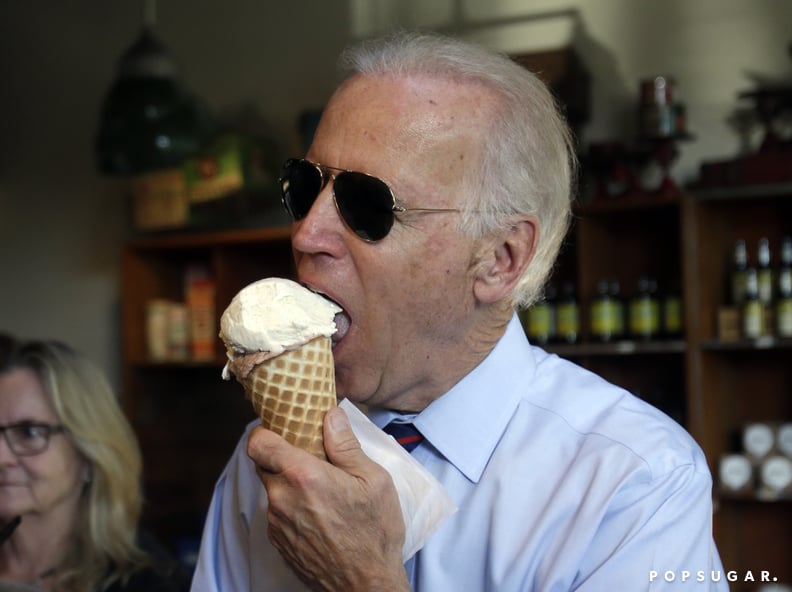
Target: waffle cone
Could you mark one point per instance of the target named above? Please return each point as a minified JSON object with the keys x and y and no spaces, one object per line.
{"x":292,"y":392}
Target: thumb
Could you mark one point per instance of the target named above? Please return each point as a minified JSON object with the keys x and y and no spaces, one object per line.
{"x":341,"y":445}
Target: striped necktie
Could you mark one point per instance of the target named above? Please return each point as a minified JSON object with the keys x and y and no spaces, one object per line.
{"x":405,"y":434}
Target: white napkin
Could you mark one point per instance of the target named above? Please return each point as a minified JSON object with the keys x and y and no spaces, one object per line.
{"x":424,"y":502}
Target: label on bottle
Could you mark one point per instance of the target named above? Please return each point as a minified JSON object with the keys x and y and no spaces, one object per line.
{"x":753,"y":319}
{"x":738,"y":287}
{"x":603,"y":319}
{"x":568,"y":321}
{"x":784,"y":317}
{"x":764,"y":280}
{"x":672,"y":315}
{"x":644,"y":317}
{"x":540,"y":322}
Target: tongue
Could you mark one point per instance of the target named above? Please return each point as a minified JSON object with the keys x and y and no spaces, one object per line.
{"x":342,"y":326}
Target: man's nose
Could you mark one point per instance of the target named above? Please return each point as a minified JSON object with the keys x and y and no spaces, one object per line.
{"x":321,"y":228}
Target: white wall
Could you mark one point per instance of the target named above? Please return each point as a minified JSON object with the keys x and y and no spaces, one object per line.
{"x":713,"y":48}
{"x":62,"y":225}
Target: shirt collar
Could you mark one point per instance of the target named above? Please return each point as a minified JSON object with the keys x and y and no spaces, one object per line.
{"x":466,"y":423}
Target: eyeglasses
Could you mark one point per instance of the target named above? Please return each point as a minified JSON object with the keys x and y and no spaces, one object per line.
{"x":366,"y":204}
{"x":28,"y":438}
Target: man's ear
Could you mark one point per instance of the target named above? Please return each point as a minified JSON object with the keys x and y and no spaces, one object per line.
{"x":504,"y":261}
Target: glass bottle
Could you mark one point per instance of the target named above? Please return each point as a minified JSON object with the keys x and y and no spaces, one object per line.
{"x":645,"y":310}
{"x":764,"y":272}
{"x":603,"y":319}
{"x":737,"y":275}
{"x":568,"y":314}
{"x":539,"y":320}
{"x":783,"y":305}
{"x":672,"y":312}
{"x":618,"y":309}
{"x":752,"y":308}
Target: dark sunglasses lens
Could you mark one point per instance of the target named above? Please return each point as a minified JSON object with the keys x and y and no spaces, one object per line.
{"x":365,"y":203}
{"x":301,"y":183}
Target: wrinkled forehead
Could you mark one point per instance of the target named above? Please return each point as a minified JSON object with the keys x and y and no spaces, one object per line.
{"x":22,"y":392}
{"x":418,"y":125}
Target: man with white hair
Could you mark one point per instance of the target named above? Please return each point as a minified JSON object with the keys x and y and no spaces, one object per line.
{"x":431,"y":205}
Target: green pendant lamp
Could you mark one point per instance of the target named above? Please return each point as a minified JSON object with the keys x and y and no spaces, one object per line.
{"x":149,"y":120}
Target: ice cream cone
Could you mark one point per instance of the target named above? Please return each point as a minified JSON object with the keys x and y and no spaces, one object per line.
{"x":292,"y":392}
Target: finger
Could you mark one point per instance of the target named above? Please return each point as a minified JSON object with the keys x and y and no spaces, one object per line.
{"x":271,"y":453}
{"x":341,"y":445}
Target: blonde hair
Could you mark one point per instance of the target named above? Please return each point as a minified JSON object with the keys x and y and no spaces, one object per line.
{"x":105,"y":549}
{"x":529,"y":164}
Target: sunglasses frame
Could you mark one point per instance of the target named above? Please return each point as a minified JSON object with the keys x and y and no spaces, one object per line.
{"x":327,"y":174}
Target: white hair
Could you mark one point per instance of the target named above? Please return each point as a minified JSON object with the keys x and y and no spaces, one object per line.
{"x":528,"y":163}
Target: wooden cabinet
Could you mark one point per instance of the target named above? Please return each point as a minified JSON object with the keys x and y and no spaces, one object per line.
{"x":736,"y":382}
{"x":712,"y":387}
{"x":622,"y":241}
{"x":187,"y":418}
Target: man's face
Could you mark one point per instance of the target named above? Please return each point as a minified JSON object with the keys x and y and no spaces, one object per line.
{"x":408,"y":297}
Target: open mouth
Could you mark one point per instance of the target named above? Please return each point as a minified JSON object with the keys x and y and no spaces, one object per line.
{"x":342,"y":323}
{"x":341,"y":319}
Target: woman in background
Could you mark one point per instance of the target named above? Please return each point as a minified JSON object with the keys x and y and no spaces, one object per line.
{"x":70,"y":468}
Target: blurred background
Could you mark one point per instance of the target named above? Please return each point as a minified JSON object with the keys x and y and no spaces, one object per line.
{"x":87,"y":256}
{"x":62,"y":223}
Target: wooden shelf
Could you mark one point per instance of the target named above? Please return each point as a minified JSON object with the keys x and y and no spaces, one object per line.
{"x":188,"y":240}
{"x":624,"y":347}
{"x":189,"y":419}
{"x":713,"y":387}
{"x":753,"y":498}
{"x":743,"y":192}
{"x":762,"y":343}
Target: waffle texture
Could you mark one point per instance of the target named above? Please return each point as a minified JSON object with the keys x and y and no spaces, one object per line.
{"x":292,"y":392}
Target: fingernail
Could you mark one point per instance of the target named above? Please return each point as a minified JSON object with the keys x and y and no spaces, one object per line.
{"x":338,"y":419}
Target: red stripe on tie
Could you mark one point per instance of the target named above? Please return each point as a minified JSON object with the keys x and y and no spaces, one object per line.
{"x":404,"y":434}
{"x":409,"y":440}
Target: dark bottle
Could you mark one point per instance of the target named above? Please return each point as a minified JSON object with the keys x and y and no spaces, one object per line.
{"x":764,"y":272}
{"x":671,"y":312}
{"x":752,"y":308}
{"x":619,"y":309}
{"x":645,"y":310}
{"x":737,"y":274}
{"x":568,"y":315}
{"x":783,"y":304}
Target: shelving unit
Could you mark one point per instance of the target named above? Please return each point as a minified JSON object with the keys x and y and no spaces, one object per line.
{"x":622,"y":239}
{"x":189,"y":419}
{"x":744,"y":381}
{"x":712,"y":387}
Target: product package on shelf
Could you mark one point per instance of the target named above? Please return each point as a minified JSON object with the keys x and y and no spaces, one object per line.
{"x":763,"y":467}
{"x":167,"y":331}
{"x":160,"y":200}
{"x":200,"y":297}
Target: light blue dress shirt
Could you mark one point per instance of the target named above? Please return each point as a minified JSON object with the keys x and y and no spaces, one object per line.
{"x":563,"y":482}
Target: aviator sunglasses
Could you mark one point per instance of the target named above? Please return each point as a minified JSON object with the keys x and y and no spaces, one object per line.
{"x":365,"y":203}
